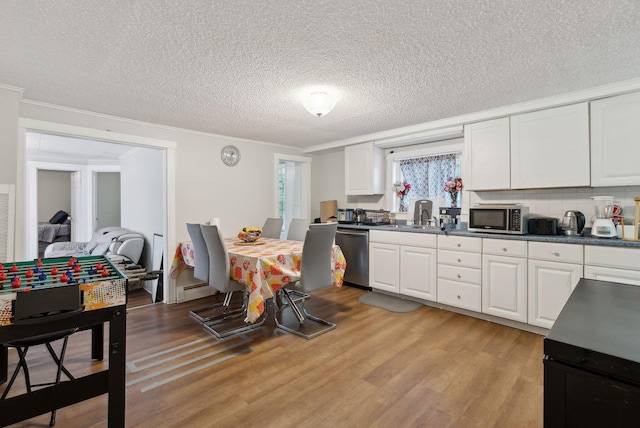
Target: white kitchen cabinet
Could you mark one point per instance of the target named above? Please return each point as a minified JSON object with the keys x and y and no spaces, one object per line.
{"x":486,"y":155}
{"x":364,"y":169}
{"x":418,"y":267}
{"x":615,"y":141}
{"x":459,"y":272}
{"x":403,"y":263}
{"x":553,"y":272}
{"x":384,"y":266}
{"x":550,"y":148}
{"x":612,"y":264}
{"x":504,"y":279}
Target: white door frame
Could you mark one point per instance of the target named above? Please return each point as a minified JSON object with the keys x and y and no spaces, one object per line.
{"x":24,"y":238}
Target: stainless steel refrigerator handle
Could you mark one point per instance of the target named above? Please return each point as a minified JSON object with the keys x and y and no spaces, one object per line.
{"x":341,"y":232}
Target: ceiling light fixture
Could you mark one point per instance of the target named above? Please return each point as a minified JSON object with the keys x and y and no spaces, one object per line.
{"x":319,"y":103}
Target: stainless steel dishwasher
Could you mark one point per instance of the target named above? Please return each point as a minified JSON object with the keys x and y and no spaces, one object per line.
{"x":355,"y":247}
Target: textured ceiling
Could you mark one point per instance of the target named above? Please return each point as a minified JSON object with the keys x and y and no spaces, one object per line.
{"x":238,"y":68}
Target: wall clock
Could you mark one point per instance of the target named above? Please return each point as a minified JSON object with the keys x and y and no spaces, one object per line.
{"x":230,"y":155}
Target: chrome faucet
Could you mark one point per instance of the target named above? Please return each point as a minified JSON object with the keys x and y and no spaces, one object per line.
{"x":422,"y":212}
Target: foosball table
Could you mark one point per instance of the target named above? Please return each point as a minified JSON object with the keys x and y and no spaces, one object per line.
{"x":98,"y":294}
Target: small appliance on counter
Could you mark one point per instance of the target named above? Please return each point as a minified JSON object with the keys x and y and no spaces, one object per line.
{"x":603,"y":226}
{"x":544,"y":226}
{"x":346,"y":216}
{"x":573,"y":223}
{"x":499,"y":218}
{"x":449,"y":215}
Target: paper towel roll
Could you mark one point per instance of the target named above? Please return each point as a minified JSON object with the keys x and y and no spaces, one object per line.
{"x":328,"y":209}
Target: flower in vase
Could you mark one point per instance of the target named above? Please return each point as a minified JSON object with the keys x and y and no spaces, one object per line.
{"x":401,"y":188}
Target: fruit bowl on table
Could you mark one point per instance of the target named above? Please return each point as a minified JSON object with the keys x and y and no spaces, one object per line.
{"x":249,"y":234}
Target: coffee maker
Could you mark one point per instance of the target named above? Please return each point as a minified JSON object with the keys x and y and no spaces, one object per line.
{"x":449,"y":216}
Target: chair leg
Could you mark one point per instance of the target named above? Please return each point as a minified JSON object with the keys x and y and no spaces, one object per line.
{"x":221,"y":310}
{"x":302,"y":324}
{"x":22,"y":363}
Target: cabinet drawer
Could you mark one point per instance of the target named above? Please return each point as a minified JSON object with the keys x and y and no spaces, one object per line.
{"x":403,"y":238}
{"x":623,"y":276}
{"x":460,"y":243}
{"x":567,"y":253}
{"x":457,"y":273}
{"x":504,"y":247}
{"x":459,"y":294}
{"x":460,"y":258}
{"x":626,"y":258}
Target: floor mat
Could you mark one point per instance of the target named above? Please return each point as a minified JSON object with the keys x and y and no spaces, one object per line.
{"x":390,"y":303}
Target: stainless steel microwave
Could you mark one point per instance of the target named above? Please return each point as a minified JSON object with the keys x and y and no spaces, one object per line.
{"x":507,"y":218}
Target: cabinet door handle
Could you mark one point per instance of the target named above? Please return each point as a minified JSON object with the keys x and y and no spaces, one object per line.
{"x":459,"y":245}
{"x":459,"y":276}
{"x":555,"y":253}
{"x":459,"y":260}
{"x":458,"y":296}
{"x":504,"y":249}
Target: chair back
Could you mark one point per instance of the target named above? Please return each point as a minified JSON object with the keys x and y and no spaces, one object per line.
{"x":315,"y":271}
{"x":272,"y":228}
{"x":219,"y":274}
{"x":297,"y":229}
{"x":200,"y":253}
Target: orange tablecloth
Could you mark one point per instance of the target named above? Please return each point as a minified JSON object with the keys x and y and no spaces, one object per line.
{"x":264,"y":268}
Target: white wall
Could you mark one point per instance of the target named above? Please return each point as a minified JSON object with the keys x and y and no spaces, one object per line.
{"x":54,"y":193}
{"x":9,"y":110}
{"x":142,"y":196}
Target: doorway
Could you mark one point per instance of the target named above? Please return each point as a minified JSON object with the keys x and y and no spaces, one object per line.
{"x":293,"y":188}
{"x":163,"y":154}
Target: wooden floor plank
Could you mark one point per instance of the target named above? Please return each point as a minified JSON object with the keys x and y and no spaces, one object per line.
{"x":430,"y":367}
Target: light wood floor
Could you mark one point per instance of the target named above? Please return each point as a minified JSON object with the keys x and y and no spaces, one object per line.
{"x":428,"y":368}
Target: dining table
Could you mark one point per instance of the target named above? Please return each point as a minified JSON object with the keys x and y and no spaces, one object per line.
{"x":263,"y":266}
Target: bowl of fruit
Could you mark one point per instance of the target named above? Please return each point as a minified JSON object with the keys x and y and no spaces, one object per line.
{"x":249,"y":234}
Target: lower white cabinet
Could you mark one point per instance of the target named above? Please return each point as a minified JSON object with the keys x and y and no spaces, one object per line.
{"x":504,"y":287}
{"x":403,"y":263}
{"x":384,"y":266}
{"x":418,"y":272}
{"x":550,"y":285}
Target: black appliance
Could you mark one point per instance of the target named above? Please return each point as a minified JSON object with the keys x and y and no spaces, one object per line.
{"x":592,"y":358}
{"x":354,"y":244}
{"x":544,"y":226}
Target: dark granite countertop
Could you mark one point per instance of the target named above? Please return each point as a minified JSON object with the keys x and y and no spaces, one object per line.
{"x":561,"y":239}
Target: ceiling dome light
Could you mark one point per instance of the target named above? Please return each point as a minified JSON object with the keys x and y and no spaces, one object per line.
{"x":319,"y":103}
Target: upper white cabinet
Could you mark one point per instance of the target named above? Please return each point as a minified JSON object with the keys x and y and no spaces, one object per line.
{"x":364,"y":169}
{"x":486,"y":156}
{"x":550,"y":148}
{"x":615,"y":141}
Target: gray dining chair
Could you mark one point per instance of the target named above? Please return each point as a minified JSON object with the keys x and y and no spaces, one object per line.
{"x":315,"y":273}
{"x":297,"y":229}
{"x":202,"y":271}
{"x":232,"y":322}
{"x":272,"y":228}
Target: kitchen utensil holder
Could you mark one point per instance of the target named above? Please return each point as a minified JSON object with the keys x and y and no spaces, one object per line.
{"x":636,"y":222}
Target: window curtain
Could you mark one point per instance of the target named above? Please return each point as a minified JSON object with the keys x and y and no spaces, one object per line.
{"x":427,"y":175}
